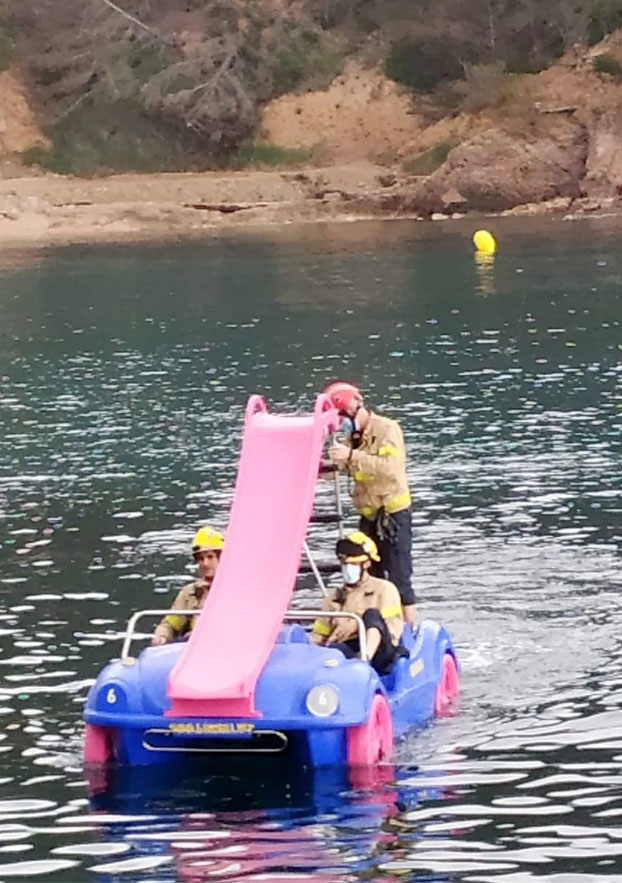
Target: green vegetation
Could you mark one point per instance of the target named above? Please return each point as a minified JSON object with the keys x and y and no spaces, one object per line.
{"x":484,"y":85}
{"x":605,"y":17}
{"x":146,"y":62}
{"x":422,"y":66}
{"x":264,"y":154}
{"x":116,"y":137}
{"x":427,"y":162}
{"x":7,"y":50}
{"x":306,"y":63}
{"x":607,"y":64}
{"x":181,"y":83}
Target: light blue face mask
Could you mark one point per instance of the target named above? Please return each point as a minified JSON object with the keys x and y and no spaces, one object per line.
{"x":347,"y":425}
{"x":351,"y":574}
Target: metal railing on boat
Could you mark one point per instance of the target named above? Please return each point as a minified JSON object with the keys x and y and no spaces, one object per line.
{"x":290,"y":616}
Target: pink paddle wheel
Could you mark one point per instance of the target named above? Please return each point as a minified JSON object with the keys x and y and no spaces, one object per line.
{"x":449,"y":685}
{"x":373,"y":740}
{"x":98,"y":746}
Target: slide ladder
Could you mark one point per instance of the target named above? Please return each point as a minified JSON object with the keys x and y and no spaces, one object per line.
{"x":218,"y":669}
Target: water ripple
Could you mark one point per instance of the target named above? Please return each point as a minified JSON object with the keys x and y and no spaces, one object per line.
{"x":123,"y":377}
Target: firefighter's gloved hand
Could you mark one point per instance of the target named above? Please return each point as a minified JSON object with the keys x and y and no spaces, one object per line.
{"x":343,"y":631}
{"x":392,"y":529}
{"x":385,"y":526}
{"x":339,"y":453}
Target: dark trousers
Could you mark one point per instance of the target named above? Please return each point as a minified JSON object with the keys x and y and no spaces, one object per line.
{"x":396,"y":554}
{"x":385,"y":655}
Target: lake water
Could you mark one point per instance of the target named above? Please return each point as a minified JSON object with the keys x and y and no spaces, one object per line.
{"x":123,"y":376}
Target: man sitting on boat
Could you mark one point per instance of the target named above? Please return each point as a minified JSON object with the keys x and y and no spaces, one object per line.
{"x":206,"y":548}
{"x":376,"y":601}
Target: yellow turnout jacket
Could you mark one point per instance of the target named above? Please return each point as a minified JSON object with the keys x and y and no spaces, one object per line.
{"x":378,"y":467}
{"x":371,"y":593}
{"x":191,"y":597}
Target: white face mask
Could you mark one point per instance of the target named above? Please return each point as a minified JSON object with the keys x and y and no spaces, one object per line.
{"x":351,"y":573}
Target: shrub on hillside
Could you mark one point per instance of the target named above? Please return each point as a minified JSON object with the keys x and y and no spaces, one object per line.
{"x":422,"y":66}
{"x":307,"y":62}
{"x":607,"y":64}
{"x":7,"y":50}
{"x":430,"y":160}
{"x":484,"y":85}
{"x":251,"y":155}
{"x":605,"y":17}
{"x":115,"y":137}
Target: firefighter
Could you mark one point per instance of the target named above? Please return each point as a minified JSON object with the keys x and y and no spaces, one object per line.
{"x":376,"y":601}
{"x":207,"y":546}
{"x":374,"y":455}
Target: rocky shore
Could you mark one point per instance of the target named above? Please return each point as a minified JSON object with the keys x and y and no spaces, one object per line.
{"x":50,"y":209}
{"x":56,"y":208}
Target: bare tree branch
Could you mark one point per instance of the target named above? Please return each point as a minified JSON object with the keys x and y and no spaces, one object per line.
{"x":76,"y":104}
{"x":128,"y":15}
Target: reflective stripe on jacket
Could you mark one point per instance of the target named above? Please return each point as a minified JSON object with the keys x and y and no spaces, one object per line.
{"x":371,"y":594}
{"x":378,"y":467}
{"x":191,"y":597}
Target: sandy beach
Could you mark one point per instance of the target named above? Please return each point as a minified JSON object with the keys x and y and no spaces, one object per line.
{"x":54,"y":208}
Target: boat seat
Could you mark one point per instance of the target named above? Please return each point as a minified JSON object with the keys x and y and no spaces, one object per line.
{"x":408,"y":637}
{"x":408,"y":642}
{"x":388,"y":680}
{"x":293,"y":634}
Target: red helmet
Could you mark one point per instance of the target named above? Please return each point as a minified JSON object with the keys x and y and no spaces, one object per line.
{"x":341,"y":394}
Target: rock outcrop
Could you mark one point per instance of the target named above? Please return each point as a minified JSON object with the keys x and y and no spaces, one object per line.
{"x":505,"y":167}
{"x":603,"y":176}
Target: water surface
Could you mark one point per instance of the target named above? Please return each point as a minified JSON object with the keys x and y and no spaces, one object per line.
{"x":123,"y":376}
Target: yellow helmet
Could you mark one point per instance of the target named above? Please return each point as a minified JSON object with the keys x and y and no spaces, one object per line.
{"x":207,"y":538}
{"x":357,"y":547}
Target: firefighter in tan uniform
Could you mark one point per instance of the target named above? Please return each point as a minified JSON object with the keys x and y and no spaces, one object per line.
{"x":374,"y":455}
{"x":376,"y":601}
{"x":206,"y":548}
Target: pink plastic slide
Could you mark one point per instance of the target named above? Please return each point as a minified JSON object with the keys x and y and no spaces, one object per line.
{"x":236,"y":630}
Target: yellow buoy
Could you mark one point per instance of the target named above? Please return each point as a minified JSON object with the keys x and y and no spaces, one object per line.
{"x":484,"y":242}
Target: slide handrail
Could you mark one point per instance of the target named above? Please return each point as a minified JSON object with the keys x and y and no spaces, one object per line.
{"x":256,"y":404}
{"x":322,"y":404}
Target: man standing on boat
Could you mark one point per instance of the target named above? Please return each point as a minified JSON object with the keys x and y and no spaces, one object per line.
{"x":376,"y":601}
{"x":207,"y":546}
{"x":374,"y":456}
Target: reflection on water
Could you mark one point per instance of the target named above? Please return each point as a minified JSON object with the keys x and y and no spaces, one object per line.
{"x":254,"y":819}
{"x":123,"y":376}
{"x":485,"y":266}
